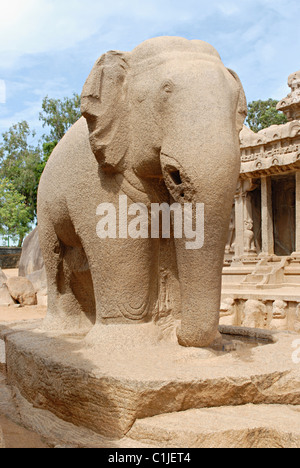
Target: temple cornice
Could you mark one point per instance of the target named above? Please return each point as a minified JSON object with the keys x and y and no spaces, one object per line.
{"x":274,"y":165}
{"x":270,"y":151}
{"x":290,"y":105}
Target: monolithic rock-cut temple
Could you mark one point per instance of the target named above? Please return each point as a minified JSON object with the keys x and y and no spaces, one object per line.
{"x":261,"y":277}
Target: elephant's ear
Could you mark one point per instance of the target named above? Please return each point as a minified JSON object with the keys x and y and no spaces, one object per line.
{"x":103,"y":104}
{"x":242,"y":110}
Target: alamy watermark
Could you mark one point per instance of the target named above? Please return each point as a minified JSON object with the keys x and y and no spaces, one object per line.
{"x":2,"y":92}
{"x":138,"y":222}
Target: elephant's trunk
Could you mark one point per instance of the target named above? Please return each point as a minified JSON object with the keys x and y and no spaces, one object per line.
{"x":200,"y":280}
{"x":207,"y":175}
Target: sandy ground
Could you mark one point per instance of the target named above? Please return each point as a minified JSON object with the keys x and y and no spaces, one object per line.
{"x":16,"y":436}
{"x":12,"y":313}
{"x":11,"y":272}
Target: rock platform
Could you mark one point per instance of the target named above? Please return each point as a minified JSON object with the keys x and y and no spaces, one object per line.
{"x":115,"y":385}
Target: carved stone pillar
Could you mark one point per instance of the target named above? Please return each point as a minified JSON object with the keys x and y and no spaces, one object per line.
{"x":267,"y":216}
{"x":229,"y":249}
{"x":244,"y":240}
{"x":298,"y":212}
{"x":297,"y":234}
{"x":239,"y":224}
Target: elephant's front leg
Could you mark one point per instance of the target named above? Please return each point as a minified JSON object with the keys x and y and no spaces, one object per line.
{"x":125,"y":280}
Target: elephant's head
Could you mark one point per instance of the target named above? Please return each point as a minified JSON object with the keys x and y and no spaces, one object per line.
{"x":170,"y":109}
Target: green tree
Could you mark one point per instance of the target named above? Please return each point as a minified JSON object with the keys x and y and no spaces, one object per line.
{"x":48,"y":147}
{"x":263,"y":114}
{"x":15,"y":216}
{"x":20,"y":163}
{"x":59,"y":115}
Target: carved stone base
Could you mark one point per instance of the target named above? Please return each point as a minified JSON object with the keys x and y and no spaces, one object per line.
{"x":295,"y":256}
{"x":139,"y":371}
{"x":247,"y":426}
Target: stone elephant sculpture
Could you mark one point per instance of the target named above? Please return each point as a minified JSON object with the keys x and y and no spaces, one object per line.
{"x":160,"y":124}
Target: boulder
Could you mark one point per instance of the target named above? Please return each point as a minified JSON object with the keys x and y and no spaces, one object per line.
{"x":32,"y":266}
{"x":31,"y":259}
{"x":3,"y":278}
{"x":5,"y":297}
{"x":22,"y":290}
{"x":42,"y":297}
{"x":38,"y":279}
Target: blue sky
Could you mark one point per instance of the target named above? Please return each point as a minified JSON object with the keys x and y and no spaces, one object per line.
{"x":48,"y":47}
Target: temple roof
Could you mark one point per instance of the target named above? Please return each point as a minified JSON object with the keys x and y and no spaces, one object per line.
{"x":248,"y":138}
{"x":275,"y":149}
{"x":290,"y":105}
{"x":273,"y":165}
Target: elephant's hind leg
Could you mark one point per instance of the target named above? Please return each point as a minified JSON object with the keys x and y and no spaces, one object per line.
{"x":75,"y":287}
{"x":71,"y":305}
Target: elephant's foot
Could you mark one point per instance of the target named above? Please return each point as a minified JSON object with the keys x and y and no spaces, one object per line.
{"x":188,"y":338}
{"x":60,"y":321}
{"x":117,"y":336}
{"x":58,"y":326}
{"x":133,"y":335}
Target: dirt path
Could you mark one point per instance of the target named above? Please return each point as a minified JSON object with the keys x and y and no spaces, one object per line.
{"x":16,"y":436}
{"x":12,"y":314}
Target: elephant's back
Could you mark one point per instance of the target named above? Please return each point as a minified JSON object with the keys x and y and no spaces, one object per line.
{"x":70,"y":151}
{"x":69,"y":160}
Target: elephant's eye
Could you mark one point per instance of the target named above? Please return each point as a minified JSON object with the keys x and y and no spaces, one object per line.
{"x":168,"y":86}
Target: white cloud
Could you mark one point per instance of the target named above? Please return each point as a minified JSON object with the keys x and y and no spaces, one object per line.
{"x":48,"y":46}
{"x":43,"y":26}
{"x":30,"y":113}
{"x":29,"y":101}
{"x":254,"y":32}
{"x":38,"y":26}
{"x":281,"y":91}
{"x":229,"y":8}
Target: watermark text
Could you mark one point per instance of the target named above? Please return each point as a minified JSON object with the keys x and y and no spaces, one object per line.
{"x":136,"y":221}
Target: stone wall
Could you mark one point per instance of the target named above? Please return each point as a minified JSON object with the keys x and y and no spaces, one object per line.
{"x":250,"y":310}
{"x":10,"y":257}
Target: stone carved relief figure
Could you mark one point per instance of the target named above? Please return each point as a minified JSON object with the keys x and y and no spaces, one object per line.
{"x":297,"y":321}
{"x":159,"y":123}
{"x":228,"y":312}
{"x":249,"y":241}
{"x":279,"y":316}
{"x":249,"y":237}
{"x":164,"y":306}
{"x":254,"y":314}
{"x":231,"y":233}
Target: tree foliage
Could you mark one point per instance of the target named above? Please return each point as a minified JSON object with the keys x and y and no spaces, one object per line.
{"x":23,"y":159}
{"x":59,"y":115}
{"x":263,"y":114}
{"x":20,"y":163}
{"x":15,"y":216}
